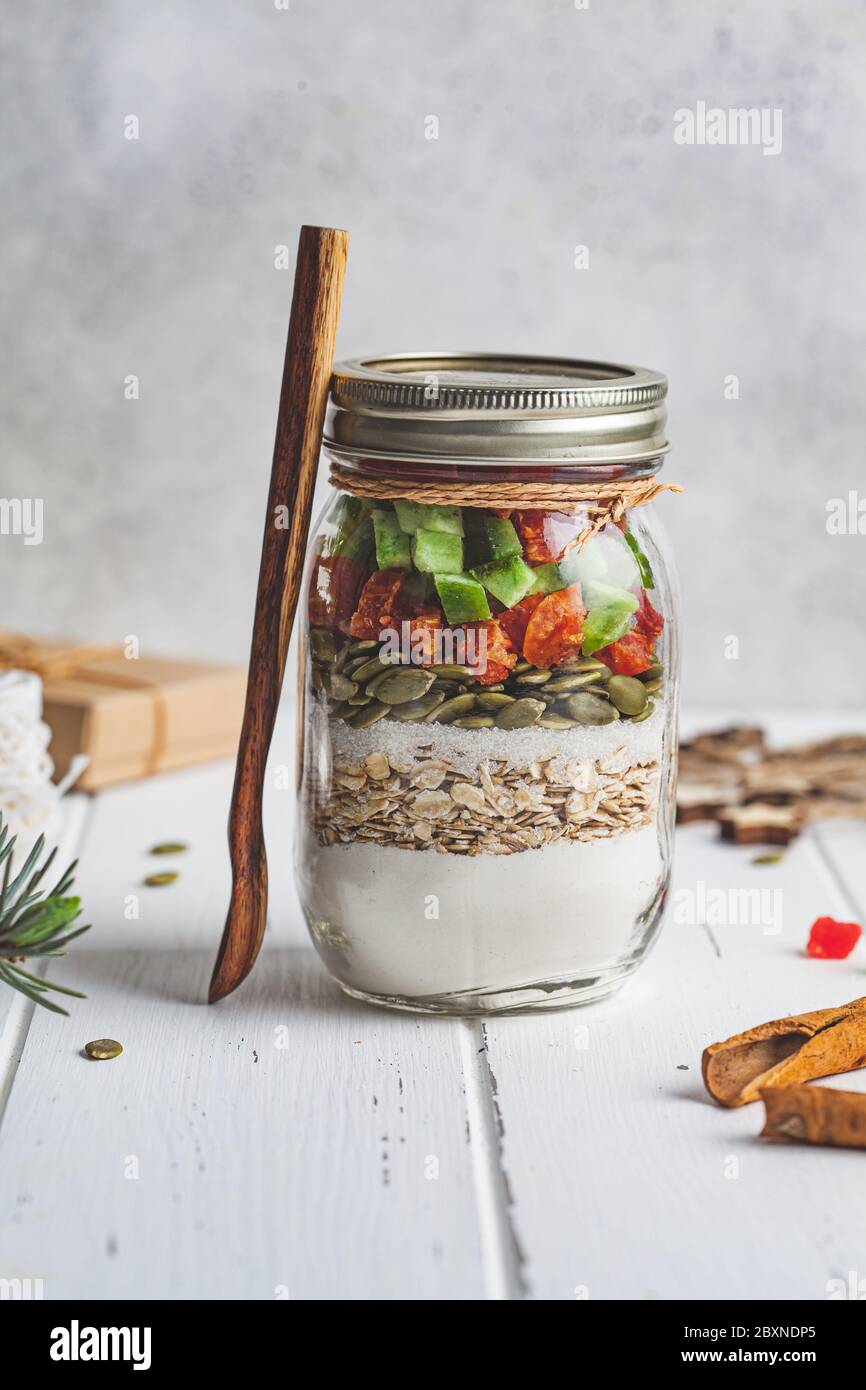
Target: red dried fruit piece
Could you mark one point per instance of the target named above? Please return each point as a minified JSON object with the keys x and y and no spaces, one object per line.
{"x":545,"y":535}
{"x":376,"y":604}
{"x":427,"y":622}
{"x":496,"y":656}
{"x":647,"y":619}
{"x":832,"y":940}
{"x":555,"y":630}
{"x":629,"y":655}
{"x":514,"y":620}
{"x":335,"y":583}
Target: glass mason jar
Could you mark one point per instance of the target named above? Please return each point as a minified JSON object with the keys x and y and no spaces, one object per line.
{"x":488,"y":691}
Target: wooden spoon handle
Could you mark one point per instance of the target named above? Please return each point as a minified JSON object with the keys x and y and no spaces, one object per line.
{"x":319,"y":276}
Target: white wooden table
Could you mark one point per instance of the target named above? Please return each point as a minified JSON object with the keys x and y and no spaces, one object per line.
{"x":291,"y":1143}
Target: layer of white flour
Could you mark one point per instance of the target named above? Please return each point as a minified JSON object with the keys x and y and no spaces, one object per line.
{"x":503,"y":921}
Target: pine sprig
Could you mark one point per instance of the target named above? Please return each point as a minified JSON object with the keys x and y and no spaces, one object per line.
{"x":34,"y":923}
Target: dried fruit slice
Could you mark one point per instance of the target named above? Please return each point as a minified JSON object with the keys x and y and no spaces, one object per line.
{"x":514,"y":620}
{"x":545,"y":535}
{"x":376,"y":605}
{"x":417,"y":593}
{"x":423,"y":628}
{"x":555,"y":630}
{"x":648,"y":620}
{"x":833,"y":940}
{"x":495,"y":656}
{"x":629,"y":655}
{"x":335,"y":583}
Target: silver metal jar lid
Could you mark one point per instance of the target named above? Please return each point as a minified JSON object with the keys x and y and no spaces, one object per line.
{"x":489,"y":408}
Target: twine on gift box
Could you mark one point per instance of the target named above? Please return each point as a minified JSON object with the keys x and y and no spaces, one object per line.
{"x":59,"y":661}
{"x":601,"y":502}
{"x":28,"y":798}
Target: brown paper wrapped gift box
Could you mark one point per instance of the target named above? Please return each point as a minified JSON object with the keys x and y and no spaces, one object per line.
{"x":131,"y":717}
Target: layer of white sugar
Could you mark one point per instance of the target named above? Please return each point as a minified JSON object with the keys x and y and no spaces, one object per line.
{"x":466,"y":748}
{"x":406,"y":923}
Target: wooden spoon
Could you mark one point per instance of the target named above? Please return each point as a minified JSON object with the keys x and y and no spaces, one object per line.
{"x":321,"y":266}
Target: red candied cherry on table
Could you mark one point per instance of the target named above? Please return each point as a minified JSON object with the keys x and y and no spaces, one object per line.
{"x":832,"y":940}
{"x":335,"y":583}
{"x":497,"y":654}
{"x":555,"y":629}
{"x":545,"y":535}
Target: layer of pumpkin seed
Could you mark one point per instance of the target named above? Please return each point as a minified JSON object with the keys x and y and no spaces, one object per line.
{"x":417,"y":709}
{"x":589,"y":709}
{"x":369,"y":714}
{"x":629,"y":695}
{"x":455,"y":708}
{"x":451,"y":672}
{"x":645,"y":712}
{"x":494,"y":699}
{"x":403,"y":684}
{"x":357,"y":677}
{"x":520,"y":714}
{"x":365,"y":669}
{"x":341,"y":687}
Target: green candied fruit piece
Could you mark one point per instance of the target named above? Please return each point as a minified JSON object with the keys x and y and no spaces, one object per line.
{"x":597,"y":593}
{"x":418,"y":516}
{"x":608,"y":558}
{"x":410,"y":515}
{"x":555,"y":575}
{"x":605,"y":625}
{"x":643,"y":564}
{"x":435,"y":518}
{"x":353,"y":536}
{"x":392,"y":545}
{"x":497,"y":538}
{"x":436,"y":552}
{"x":463,"y":599}
{"x":508,"y":580}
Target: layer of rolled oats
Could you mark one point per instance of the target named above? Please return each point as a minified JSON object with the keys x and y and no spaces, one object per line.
{"x":420,"y":800}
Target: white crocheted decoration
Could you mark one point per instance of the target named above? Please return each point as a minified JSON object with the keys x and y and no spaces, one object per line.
{"x":28,"y":798}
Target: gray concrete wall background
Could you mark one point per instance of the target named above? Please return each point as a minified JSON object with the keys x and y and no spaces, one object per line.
{"x":156,"y":257}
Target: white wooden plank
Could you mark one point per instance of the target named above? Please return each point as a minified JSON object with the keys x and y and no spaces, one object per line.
{"x":290,"y":1143}
{"x":288,"y":1140}
{"x":627,"y":1181}
{"x":16,"y":1012}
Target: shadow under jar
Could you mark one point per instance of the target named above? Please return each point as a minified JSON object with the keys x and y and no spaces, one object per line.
{"x":489,"y":675}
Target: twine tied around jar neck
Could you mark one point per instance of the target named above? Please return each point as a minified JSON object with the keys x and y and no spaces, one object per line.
{"x":602,"y":502}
